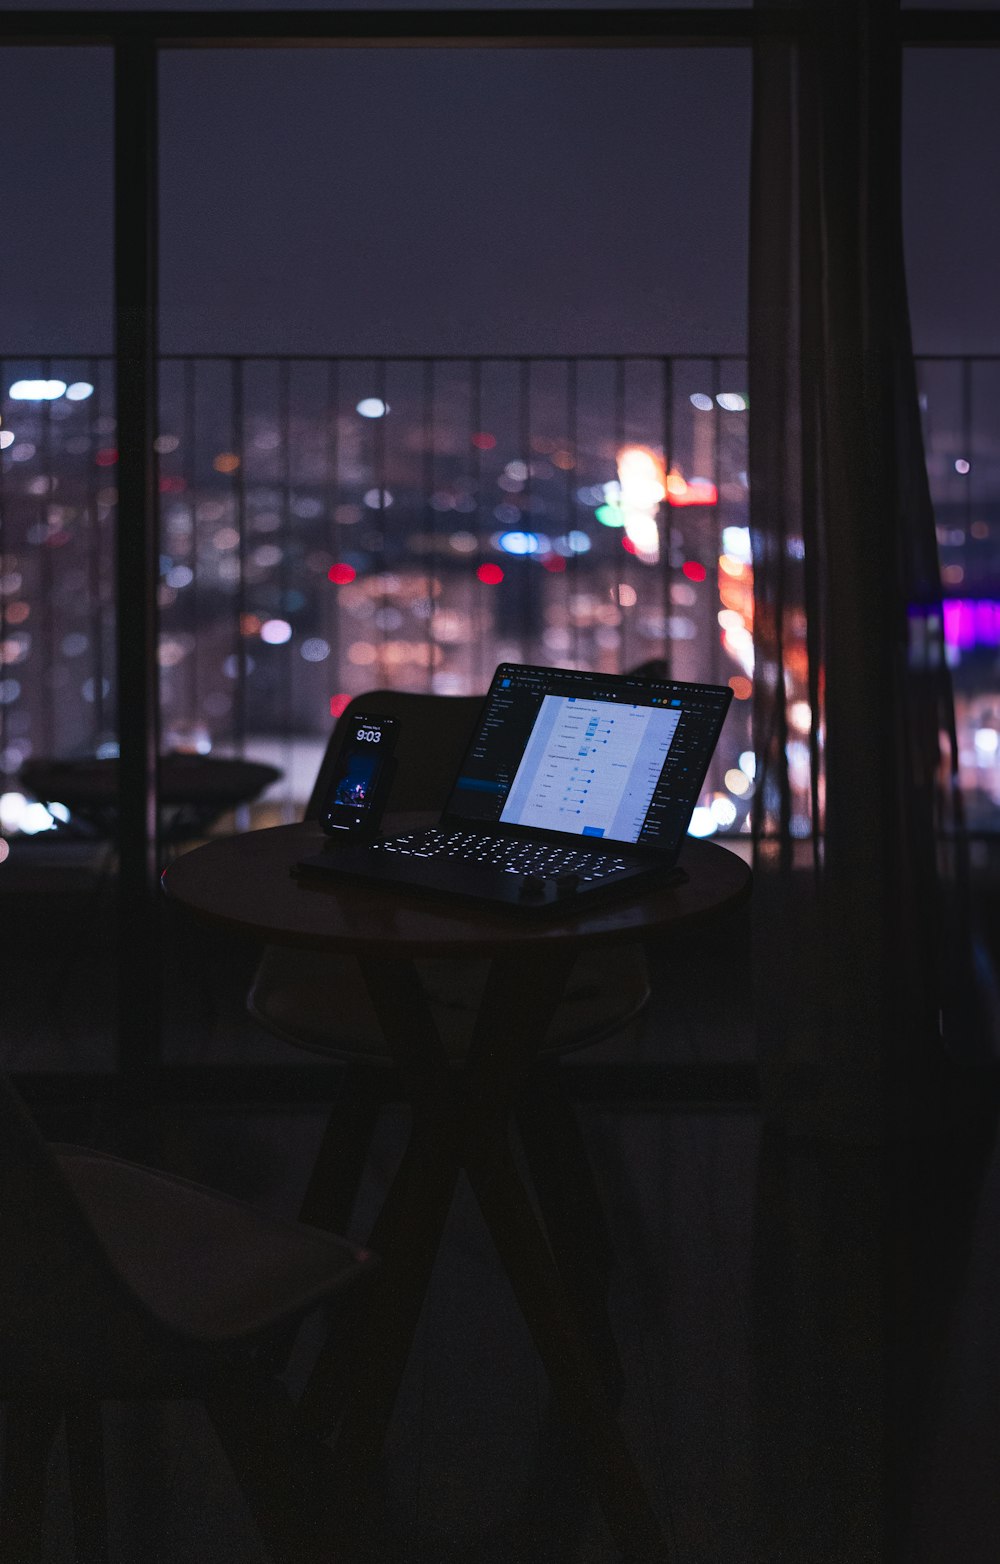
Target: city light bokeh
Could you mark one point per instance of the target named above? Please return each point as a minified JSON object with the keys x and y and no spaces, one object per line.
{"x":318,"y":540}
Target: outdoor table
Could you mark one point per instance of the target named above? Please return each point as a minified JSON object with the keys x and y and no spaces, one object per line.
{"x":194,"y":791}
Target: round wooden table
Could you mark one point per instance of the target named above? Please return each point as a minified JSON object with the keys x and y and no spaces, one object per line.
{"x":246,"y":884}
{"x":461,"y":1114}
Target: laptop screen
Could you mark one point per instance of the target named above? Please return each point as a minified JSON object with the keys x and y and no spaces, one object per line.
{"x":608,"y":756}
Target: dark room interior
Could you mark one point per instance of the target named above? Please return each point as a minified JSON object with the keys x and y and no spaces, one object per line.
{"x":499,"y":783}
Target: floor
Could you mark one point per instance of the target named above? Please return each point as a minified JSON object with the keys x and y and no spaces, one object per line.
{"x":808,"y":1332}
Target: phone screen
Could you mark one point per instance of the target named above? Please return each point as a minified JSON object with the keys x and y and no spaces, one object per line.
{"x":357,"y":785}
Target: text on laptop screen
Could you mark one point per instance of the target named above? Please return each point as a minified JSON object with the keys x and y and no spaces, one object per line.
{"x":614,"y":758}
{"x":590,"y":767}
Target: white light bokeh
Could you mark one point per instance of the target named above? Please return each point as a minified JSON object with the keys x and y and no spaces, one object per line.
{"x":18,"y":813}
{"x":37,"y":390}
{"x":276,"y":632}
{"x":315,"y":649}
{"x":736,"y":542}
{"x":703,"y":822}
{"x":723,"y":811}
{"x":377,"y":499}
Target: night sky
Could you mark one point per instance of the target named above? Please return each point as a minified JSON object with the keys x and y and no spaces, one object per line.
{"x":456,"y":201}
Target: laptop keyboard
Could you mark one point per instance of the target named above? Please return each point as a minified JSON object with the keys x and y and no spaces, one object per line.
{"x":543,"y":859}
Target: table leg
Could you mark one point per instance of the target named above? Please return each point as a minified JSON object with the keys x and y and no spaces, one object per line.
{"x":521,"y":997}
{"x":563,"y":1182}
{"x":357,"y":1376}
{"x":578,"y":1379}
{"x":408,"y":1229}
{"x":461,"y":1120}
{"x":358,"y":1373}
{"x":340,"y":1161}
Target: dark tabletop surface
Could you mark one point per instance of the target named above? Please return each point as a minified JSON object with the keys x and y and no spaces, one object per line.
{"x":245,"y":883}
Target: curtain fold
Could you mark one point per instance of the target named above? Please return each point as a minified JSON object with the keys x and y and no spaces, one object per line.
{"x":864,"y":957}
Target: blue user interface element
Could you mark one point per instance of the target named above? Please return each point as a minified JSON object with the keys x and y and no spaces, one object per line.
{"x":590,"y":767}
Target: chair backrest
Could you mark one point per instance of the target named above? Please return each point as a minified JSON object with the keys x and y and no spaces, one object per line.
{"x":434,"y":731}
{"x":67,"y":1320}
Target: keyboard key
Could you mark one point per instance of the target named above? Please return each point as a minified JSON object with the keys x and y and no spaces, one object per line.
{"x":542,"y":860}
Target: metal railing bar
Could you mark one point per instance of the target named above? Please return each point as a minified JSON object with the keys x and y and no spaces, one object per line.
{"x":611,"y":28}
{"x":4,"y":771}
{"x":731,"y":355}
{"x":572,"y":476}
{"x":718,"y":669}
{"x":189,"y":424}
{"x":429,"y":514}
{"x":667,"y":572}
{"x":96,"y":583}
{"x":525,"y":410}
{"x":537,"y":28}
{"x":933,"y":29}
{"x":476,"y":424}
{"x":136,"y":665}
{"x":285,"y":670}
{"x":48,"y":702}
{"x":332,"y":467}
{"x":734,"y":354}
{"x":238,"y":424}
{"x":379,"y":472}
{"x":618,"y":415}
{"x":966,"y":424}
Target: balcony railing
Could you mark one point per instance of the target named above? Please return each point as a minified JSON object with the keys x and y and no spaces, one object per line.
{"x":333,"y":525}
{"x":960,"y":398}
{"x":329,"y":526}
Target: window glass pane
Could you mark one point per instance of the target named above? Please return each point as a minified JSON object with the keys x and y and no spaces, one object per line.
{"x":416,"y":306}
{"x":56,"y":192}
{"x":57,"y":521}
{"x":454,"y":201}
{"x":952,"y":151}
{"x":948,"y":5}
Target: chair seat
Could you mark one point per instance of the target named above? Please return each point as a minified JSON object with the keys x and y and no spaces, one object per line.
{"x":205,"y":1265}
{"x":320,"y":1002}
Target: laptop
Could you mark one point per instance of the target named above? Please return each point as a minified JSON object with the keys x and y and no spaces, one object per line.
{"x":574,"y":786}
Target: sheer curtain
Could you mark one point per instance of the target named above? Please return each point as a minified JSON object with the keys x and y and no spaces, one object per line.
{"x":863,"y":953}
{"x":866,"y":1002}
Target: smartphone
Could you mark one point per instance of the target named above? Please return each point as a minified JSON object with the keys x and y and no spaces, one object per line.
{"x":361,"y":777}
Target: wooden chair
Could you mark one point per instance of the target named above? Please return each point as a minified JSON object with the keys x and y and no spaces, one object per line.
{"x":118,"y":1282}
{"x":320,"y":1002}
